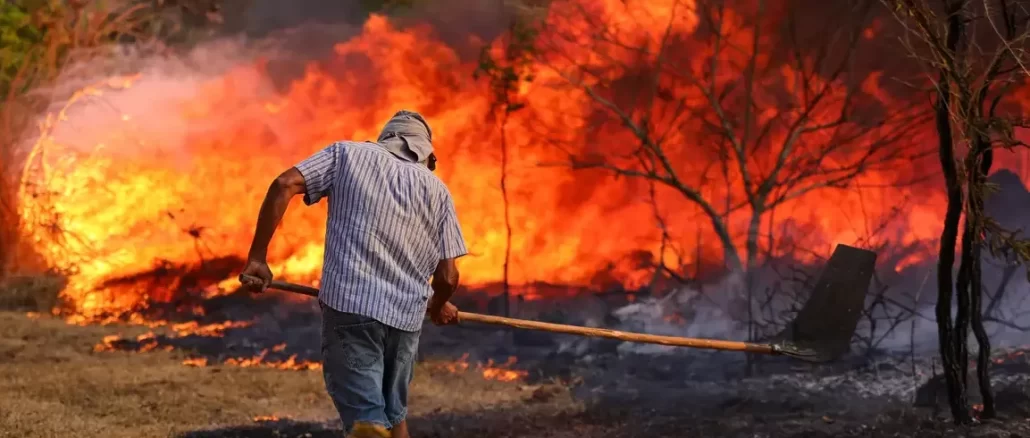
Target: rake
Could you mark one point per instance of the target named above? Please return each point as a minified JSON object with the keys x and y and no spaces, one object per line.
{"x":821,"y":331}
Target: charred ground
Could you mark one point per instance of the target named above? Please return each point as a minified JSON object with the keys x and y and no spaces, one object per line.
{"x":55,"y":380}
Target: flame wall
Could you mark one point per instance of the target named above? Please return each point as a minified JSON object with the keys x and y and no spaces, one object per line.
{"x":170,"y":165}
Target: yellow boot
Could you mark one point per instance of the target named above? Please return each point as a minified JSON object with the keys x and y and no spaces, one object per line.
{"x":368,"y":430}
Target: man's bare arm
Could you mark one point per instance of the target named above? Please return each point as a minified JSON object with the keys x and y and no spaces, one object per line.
{"x":445,"y":282}
{"x":289,"y":184}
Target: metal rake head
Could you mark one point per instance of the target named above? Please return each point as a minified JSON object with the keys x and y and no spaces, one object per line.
{"x":823,"y":328}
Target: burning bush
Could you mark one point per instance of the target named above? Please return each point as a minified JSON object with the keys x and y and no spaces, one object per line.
{"x":43,"y":41}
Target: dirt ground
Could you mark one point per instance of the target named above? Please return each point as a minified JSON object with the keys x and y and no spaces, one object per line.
{"x":52,"y":384}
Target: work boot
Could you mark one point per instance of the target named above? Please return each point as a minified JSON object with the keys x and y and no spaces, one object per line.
{"x":368,"y":430}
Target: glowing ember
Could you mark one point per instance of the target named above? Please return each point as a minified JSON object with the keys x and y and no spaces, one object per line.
{"x":266,"y":418}
{"x":195,"y":362}
{"x":107,"y":344}
{"x":1009,"y":356}
{"x":149,"y":341}
{"x":490,"y":371}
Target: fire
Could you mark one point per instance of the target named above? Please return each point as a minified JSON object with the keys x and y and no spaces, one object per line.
{"x":266,"y":418}
{"x":290,"y":363}
{"x":1009,"y":356}
{"x":163,"y":173}
{"x":490,"y":371}
{"x":195,"y":362}
{"x":193,"y":328}
{"x":149,"y":342}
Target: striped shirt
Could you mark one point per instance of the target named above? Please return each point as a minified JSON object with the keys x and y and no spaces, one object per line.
{"x":390,"y":222}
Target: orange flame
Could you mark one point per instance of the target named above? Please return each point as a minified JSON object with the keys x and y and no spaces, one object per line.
{"x":195,"y":362}
{"x":490,"y":371}
{"x":290,"y":363}
{"x":266,"y":418}
{"x":180,"y":179}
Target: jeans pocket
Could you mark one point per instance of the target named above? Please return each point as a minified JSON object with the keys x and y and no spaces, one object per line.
{"x":407,"y":346}
{"x":356,"y":340}
{"x":358,"y":357}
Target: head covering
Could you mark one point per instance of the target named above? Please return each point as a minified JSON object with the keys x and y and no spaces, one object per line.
{"x":407,"y":135}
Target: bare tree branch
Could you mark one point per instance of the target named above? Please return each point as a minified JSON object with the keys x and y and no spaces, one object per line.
{"x":780,"y":127}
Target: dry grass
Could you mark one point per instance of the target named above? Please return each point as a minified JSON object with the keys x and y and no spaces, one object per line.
{"x":53,"y":385}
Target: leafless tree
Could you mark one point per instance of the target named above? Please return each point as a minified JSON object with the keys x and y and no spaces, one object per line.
{"x":728,"y":105}
{"x":974,"y":53}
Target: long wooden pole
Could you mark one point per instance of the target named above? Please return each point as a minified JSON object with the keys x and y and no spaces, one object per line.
{"x":710,"y":344}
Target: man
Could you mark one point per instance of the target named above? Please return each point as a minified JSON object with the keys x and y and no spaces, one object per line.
{"x":391,"y":225}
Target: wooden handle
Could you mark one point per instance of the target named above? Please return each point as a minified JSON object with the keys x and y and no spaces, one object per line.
{"x":710,"y":344}
{"x":281,"y":285}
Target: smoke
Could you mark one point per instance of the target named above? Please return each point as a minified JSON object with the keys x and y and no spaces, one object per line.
{"x":462,"y":24}
{"x":900,"y":305}
{"x":265,"y":47}
{"x":145,"y":108}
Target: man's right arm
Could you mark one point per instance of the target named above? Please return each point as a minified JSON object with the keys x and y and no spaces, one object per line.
{"x":313,"y":178}
{"x":445,"y":282}
{"x":445,"y":277}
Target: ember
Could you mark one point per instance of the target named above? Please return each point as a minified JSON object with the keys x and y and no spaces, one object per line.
{"x":490,"y":371}
{"x":267,"y":418}
{"x":151,"y":341}
{"x":259,"y":361}
{"x":1008,"y":356}
{"x":195,"y":362}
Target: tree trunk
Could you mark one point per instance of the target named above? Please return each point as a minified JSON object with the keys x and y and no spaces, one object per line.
{"x":945,"y":287}
{"x":946,"y":256}
{"x":960,"y":336}
{"x":978,"y":176}
{"x":507,"y":214}
{"x":753,"y":235}
{"x":731,"y":257}
{"x":753,"y":228}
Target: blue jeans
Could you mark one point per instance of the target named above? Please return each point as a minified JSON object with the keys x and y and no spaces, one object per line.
{"x":367,"y":367}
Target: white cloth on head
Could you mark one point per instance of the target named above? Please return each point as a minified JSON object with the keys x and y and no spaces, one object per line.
{"x":407,"y":135}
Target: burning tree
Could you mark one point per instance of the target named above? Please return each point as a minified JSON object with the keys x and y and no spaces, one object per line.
{"x":728,"y":106}
{"x":505,"y":72}
{"x":974,"y":70}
